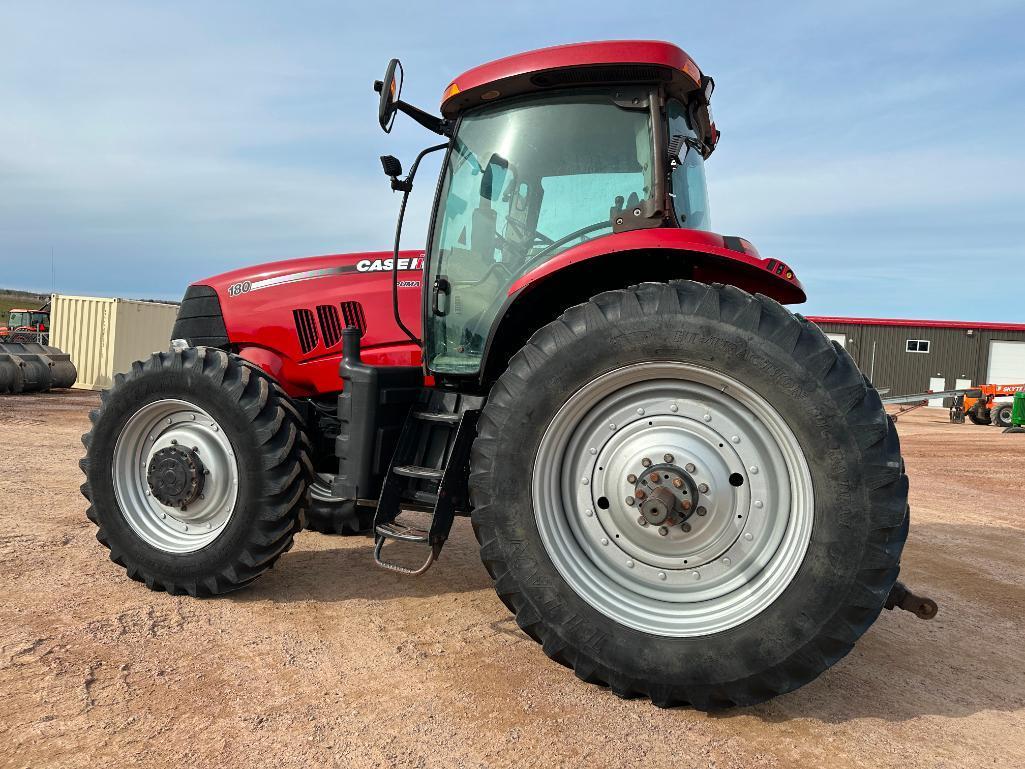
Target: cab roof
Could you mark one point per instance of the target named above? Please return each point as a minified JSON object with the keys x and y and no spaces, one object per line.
{"x":616,"y":61}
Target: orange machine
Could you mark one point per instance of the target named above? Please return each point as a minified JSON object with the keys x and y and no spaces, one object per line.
{"x":980,"y":404}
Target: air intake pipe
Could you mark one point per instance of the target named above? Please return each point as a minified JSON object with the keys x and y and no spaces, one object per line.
{"x":357,"y":415}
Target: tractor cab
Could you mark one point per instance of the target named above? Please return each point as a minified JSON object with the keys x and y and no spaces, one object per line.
{"x":549,"y":150}
{"x":29,"y":319}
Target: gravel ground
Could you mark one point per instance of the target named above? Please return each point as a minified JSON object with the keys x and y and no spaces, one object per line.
{"x":329,"y":661}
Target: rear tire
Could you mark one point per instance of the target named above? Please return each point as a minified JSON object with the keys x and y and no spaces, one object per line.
{"x":598,"y":615}
{"x":973,"y":415}
{"x":235,"y":492}
{"x":1000,"y":414}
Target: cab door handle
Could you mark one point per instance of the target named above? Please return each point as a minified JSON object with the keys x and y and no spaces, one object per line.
{"x":441,"y":286}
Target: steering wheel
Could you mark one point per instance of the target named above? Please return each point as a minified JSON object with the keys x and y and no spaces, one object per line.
{"x":521,"y":229}
{"x":555,"y":244}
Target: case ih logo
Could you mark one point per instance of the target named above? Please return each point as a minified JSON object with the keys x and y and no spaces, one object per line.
{"x":385,"y":265}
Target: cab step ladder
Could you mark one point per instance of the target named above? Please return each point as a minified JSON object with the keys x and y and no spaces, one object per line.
{"x":428,"y":473}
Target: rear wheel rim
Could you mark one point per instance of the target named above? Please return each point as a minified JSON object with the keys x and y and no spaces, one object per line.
{"x":737,"y":557}
{"x":160,"y":425}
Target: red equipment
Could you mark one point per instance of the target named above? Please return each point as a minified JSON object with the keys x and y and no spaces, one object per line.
{"x":26,"y":325}
{"x":681,"y":489}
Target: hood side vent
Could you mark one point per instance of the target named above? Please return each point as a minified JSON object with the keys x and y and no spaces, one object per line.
{"x":352,"y":315}
{"x":306,"y":329}
{"x":330,"y":326}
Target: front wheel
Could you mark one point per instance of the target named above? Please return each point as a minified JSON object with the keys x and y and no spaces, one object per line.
{"x":1000,"y":414}
{"x":196,"y":472}
{"x":716,"y":503}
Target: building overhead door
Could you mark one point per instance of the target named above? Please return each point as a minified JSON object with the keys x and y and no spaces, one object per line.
{"x":1006,"y":362}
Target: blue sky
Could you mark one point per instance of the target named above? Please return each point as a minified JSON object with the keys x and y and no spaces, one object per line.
{"x":878,"y":147}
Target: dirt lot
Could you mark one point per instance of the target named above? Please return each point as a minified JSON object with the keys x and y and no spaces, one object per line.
{"x":328,"y":661}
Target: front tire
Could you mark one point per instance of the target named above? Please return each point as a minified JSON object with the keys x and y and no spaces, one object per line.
{"x":743,"y":409}
{"x":1000,"y":414}
{"x":196,"y":472}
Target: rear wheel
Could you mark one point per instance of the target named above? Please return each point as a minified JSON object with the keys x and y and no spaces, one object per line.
{"x":978,"y":416}
{"x":196,"y":471}
{"x":1000,"y":414}
{"x":717,"y":504}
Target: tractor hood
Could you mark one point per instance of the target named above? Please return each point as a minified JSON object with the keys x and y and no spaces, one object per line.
{"x":291,"y":271}
{"x":287,"y":317}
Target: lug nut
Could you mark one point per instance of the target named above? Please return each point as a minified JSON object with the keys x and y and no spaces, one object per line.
{"x":703,"y":488}
{"x":690,"y":467}
{"x":631,"y":478}
{"x":701,"y":510}
{"x":642,"y":520}
{"x":663,"y":531}
{"x":631,"y":501}
{"x":668,"y":458}
{"x":654,"y":477}
{"x":678,"y":483}
{"x":174,"y":442}
{"x":685,"y":527}
{"x":646,"y":462}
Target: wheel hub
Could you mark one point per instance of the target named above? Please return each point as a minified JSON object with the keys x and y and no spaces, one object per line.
{"x":176,"y":476}
{"x":666,"y":494}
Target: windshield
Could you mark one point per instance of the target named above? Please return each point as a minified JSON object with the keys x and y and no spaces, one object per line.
{"x":526,"y":180}
{"x":689,"y":193}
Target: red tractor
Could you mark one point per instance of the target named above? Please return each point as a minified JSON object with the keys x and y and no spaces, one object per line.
{"x":682,"y":490}
{"x":26,"y":326}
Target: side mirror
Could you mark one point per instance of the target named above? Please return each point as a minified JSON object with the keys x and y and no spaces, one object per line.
{"x":390,"y":89}
{"x":391,"y":165}
{"x":488,"y":181}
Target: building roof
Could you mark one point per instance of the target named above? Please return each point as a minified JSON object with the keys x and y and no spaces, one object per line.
{"x":977,"y":326}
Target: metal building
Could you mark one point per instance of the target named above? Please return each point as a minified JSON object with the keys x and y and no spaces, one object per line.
{"x":912,"y":356}
{"x":104,"y":336}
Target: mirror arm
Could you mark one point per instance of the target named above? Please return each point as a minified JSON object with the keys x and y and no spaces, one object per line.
{"x":431,"y":122}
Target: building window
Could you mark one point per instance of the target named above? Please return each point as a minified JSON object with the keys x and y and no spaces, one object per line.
{"x":917,"y":345}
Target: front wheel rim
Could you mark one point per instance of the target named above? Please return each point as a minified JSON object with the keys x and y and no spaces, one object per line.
{"x":161,"y":426}
{"x":733,"y":457}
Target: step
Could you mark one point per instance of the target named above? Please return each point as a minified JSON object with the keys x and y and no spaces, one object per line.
{"x":434,"y":416}
{"x":402,"y":532}
{"x":420,"y":473}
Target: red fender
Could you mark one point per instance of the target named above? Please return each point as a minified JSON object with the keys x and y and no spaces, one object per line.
{"x":716,"y":259}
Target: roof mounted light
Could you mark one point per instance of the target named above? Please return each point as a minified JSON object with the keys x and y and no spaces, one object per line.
{"x":451,"y":91}
{"x":692,"y":71}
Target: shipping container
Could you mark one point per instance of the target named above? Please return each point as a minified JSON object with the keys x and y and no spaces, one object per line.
{"x":104,"y":336}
